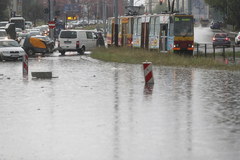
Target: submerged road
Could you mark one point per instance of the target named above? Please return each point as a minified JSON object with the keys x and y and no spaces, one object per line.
{"x":103,"y":111}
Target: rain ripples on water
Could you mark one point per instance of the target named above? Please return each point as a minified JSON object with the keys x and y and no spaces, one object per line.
{"x":98,"y":110}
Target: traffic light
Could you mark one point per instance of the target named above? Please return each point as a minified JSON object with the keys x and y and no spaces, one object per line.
{"x":160,"y":2}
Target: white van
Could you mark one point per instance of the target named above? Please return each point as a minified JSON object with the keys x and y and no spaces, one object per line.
{"x":76,"y":40}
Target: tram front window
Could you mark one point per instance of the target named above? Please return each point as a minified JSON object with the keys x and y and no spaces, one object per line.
{"x":183,"y":26}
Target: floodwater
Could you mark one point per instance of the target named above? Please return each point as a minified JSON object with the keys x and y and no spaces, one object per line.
{"x":203,"y":35}
{"x":103,"y":111}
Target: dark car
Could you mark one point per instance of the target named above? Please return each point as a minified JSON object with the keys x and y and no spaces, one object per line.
{"x":34,"y":45}
{"x":215,"y":25}
{"x":221,"y":39}
{"x":50,"y":43}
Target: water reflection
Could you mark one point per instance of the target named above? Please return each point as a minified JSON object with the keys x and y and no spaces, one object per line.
{"x":148,"y":89}
{"x":116,"y":130}
{"x":223,"y":97}
{"x":183,"y":86}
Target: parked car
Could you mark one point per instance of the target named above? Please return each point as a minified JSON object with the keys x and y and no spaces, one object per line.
{"x":237,"y":38}
{"x":221,"y":39}
{"x":34,"y":45}
{"x":10,"y":50}
{"x":18,"y":31}
{"x":22,"y":36}
{"x":3,"y":34}
{"x":76,"y":40}
{"x":3,"y":23}
{"x":50,"y":43}
{"x":34,"y":33}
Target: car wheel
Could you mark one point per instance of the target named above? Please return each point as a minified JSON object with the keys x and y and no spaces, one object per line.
{"x":1,"y":57}
{"x":30,"y":52}
{"x":62,"y":53}
{"x":82,"y":50}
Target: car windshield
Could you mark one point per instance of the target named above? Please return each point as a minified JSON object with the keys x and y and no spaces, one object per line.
{"x":3,"y":24}
{"x":3,"y":34}
{"x":68,"y":34}
{"x":34,"y":33}
{"x":43,"y":38}
{"x":8,"y":44}
{"x":220,"y":36}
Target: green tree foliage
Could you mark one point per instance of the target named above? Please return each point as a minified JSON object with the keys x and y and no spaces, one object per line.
{"x":3,"y":10}
{"x":32,"y":10}
{"x":230,"y":8}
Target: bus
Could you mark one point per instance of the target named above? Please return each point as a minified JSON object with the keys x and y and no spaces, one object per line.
{"x":18,"y":21}
{"x":163,"y":32}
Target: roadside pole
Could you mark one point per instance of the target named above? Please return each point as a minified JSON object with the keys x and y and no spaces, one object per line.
{"x":104,"y":18}
{"x":116,"y":21}
{"x":51,"y":16}
{"x":25,"y":66}
{"x":148,"y":74}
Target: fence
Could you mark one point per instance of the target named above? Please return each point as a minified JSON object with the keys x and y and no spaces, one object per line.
{"x":208,"y":50}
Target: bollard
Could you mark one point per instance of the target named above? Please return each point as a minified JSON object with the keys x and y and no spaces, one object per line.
{"x":214,"y":52}
{"x":224,"y":57}
{"x":25,"y":66}
{"x":147,"y":67}
{"x":197,"y":49}
{"x":226,"y":61}
{"x":234,"y":54}
{"x":205,"y":50}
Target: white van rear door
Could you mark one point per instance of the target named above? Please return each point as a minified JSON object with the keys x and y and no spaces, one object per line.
{"x":68,"y":39}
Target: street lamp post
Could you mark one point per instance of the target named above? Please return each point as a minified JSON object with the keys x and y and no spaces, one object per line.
{"x":116,"y":21}
{"x":51,"y":16}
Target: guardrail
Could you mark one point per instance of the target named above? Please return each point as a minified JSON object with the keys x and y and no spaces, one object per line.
{"x":208,"y":50}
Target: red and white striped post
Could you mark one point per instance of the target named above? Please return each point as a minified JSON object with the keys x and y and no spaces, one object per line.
{"x":25,"y":65}
{"x":147,"y":67}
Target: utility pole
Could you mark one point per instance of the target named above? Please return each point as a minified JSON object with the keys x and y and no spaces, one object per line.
{"x":49,"y":10}
{"x":97,"y":16}
{"x":183,"y":6}
{"x":51,"y":16}
{"x":177,"y":5}
{"x":189,"y":6}
{"x":104,"y":17}
{"x":131,"y":3}
{"x":150,"y":6}
{"x":116,"y":21}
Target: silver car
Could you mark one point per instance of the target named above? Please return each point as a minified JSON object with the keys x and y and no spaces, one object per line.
{"x":10,"y":50}
{"x":3,"y":34}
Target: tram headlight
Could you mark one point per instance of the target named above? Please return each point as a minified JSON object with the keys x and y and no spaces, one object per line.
{"x":190,"y":46}
{"x":176,"y":45}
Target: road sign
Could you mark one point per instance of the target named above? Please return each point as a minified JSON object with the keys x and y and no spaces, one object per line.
{"x":51,"y":24}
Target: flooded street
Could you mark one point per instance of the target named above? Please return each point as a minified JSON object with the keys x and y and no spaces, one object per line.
{"x":95,"y":110}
